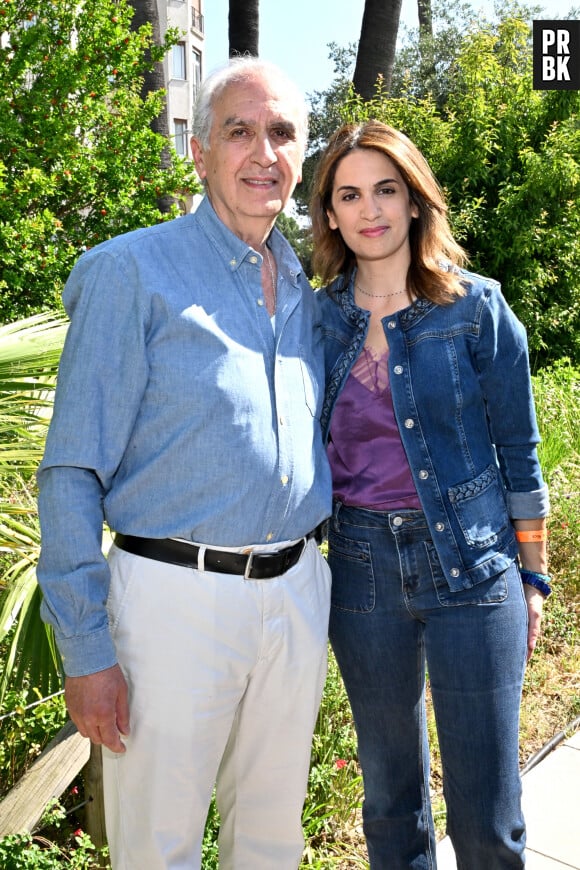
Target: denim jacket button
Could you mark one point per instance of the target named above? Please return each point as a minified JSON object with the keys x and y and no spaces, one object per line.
{"x":398,"y":370}
{"x":440,"y":527}
{"x":409,"y":423}
{"x":391,"y":324}
{"x":454,"y":572}
{"x":397,"y":521}
{"x":423,"y":475}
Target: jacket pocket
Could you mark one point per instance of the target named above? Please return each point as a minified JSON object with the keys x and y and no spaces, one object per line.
{"x":480,"y":508}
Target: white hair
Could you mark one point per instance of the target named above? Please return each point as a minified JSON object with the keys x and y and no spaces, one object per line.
{"x":240,"y":69}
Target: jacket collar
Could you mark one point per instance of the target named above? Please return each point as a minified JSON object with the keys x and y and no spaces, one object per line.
{"x":343,"y":293}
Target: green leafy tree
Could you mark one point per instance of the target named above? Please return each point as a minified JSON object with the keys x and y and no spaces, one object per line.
{"x":508,"y":158}
{"x":79,"y":161}
{"x":513,"y":173}
{"x":147,"y":12}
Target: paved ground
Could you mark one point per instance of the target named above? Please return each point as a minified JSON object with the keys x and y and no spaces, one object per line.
{"x":551,"y":801}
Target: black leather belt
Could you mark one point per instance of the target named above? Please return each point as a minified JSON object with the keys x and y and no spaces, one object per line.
{"x":253,"y":566}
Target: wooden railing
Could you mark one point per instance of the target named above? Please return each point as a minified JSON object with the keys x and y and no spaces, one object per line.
{"x":48,"y":777}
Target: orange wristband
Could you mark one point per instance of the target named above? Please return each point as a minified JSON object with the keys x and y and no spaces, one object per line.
{"x":532,"y":536}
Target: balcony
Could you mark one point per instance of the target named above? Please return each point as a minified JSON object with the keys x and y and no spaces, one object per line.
{"x":196,"y":20}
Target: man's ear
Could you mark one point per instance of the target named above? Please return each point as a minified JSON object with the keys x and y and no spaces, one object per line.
{"x":197,"y":154}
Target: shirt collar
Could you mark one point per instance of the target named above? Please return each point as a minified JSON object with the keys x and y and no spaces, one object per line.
{"x":235,"y":252}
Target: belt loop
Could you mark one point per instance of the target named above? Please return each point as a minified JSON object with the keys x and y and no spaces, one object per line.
{"x":201,"y":558}
{"x":248,"y":571}
{"x":335,"y":511}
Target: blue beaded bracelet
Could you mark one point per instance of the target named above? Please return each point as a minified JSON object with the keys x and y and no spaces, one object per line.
{"x":538,"y":581}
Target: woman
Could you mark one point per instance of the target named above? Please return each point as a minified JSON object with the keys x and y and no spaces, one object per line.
{"x":439,"y":504}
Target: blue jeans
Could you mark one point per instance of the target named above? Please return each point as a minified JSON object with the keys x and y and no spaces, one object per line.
{"x":392,"y":617}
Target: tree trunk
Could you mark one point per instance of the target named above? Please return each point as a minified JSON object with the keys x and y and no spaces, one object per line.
{"x":426,"y":40}
{"x":425,"y":18}
{"x":147,"y":11}
{"x":377,"y":46}
{"x":244,"y":27}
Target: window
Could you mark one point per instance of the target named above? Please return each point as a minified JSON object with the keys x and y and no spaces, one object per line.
{"x":196,"y":20}
{"x":180,"y":136}
{"x":178,"y":61}
{"x":196,"y":70}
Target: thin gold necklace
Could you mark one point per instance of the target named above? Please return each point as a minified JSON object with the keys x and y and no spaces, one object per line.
{"x":381,"y":295}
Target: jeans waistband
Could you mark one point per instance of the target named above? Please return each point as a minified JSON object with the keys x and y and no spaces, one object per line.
{"x":396,"y":520}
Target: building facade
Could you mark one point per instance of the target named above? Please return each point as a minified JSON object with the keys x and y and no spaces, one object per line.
{"x":183,"y":66}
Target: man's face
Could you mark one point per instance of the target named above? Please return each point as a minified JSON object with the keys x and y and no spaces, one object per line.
{"x":254,"y":159}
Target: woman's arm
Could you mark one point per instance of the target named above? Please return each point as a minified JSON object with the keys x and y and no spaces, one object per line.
{"x":533,"y":555}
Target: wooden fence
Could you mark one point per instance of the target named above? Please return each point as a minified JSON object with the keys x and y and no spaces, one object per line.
{"x":48,"y":777}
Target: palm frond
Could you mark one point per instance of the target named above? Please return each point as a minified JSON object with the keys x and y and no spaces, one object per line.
{"x":29,"y":354}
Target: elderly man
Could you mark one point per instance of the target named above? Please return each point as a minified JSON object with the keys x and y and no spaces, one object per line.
{"x":186,"y":416}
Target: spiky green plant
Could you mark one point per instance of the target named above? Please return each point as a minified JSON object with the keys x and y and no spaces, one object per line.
{"x":29,"y":354}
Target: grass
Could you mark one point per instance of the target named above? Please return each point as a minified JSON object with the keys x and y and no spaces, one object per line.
{"x":331,"y":819}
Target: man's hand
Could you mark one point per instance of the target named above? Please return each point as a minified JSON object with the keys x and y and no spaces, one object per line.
{"x":535,"y":602}
{"x":98,"y":706}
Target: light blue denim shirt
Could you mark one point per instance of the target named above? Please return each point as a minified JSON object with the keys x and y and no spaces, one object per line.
{"x":462,"y":395}
{"x":179,"y":412}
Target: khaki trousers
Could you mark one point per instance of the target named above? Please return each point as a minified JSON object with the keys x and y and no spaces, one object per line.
{"x":225,"y":678}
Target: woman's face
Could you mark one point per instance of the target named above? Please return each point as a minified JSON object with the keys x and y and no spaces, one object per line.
{"x":371,"y":207}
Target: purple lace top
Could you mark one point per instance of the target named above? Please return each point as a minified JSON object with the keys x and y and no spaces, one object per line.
{"x":368,"y":462}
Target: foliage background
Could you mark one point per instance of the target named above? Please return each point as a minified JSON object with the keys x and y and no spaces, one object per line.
{"x":79,"y":161}
{"x":507,"y":157}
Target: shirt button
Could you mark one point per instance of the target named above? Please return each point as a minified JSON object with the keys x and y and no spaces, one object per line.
{"x":391,"y":324}
{"x":423,"y":475}
{"x":454,"y":572}
{"x":398,"y":370}
{"x":440,"y":527}
{"x":409,"y":423}
{"x":233,"y":262}
{"x":284,"y":479}
{"x":398,"y":521}
{"x":253,"y":259}
{"x":269,"y":536}
{"x":260,"y":302}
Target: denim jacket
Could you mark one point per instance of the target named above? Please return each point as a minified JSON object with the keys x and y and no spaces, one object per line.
{"x":463,"y":402}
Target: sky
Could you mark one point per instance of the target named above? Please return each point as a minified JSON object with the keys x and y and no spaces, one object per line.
{"x":295,"y":35}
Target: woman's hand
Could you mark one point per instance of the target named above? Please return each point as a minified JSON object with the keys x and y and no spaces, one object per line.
{"x":535,"y":602}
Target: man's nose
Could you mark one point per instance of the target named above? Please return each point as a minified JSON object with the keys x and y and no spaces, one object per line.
{"x":264,"y":153}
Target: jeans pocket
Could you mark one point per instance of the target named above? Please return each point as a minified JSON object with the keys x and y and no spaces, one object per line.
{"x":353,"y":582}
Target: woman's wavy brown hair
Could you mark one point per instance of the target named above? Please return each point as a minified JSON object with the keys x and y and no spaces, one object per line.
{"x":435,"y":255}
